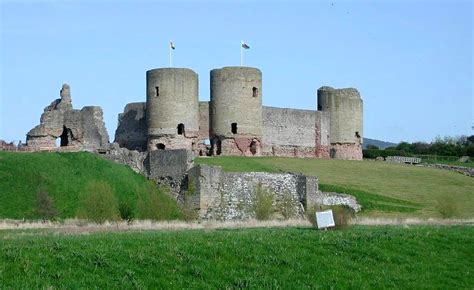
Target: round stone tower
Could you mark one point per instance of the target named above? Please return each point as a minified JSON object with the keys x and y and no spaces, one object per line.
{"x":172,"y":108}
{"x":236,"y":111}
{"x":345,"y":109}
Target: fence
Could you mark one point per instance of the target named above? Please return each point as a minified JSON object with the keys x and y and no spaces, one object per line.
{"x":403,"y":159}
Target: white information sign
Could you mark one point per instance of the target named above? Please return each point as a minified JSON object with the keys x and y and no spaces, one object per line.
{"x":325,"y":219}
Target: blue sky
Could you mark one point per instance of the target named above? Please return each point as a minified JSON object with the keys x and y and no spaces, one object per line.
{"x":412,"y":61}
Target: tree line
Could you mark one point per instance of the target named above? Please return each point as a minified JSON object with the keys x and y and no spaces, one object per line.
{"x":440,"y":146}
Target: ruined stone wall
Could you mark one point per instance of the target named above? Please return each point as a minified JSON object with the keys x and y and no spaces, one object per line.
{"x":172,"y":108}
{"x":167,"y":164}
{"x":289,"y":132}
{"x":165,"y":167}
{"x":323,"y":133}
{"x":132,"y":158}
{"x":204,"y":120}
{"x":131,"y":131}
{"x":80,"y":129}
{"x":231,"y":195}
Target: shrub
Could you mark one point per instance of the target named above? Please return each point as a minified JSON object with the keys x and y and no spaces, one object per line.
{"x":154,"y":205}
{"x":262,"y":203}
{"x":187,"y":207}
{"x":374,"y":153}
{"x":287,"y":205}
{"x":126,"y":212}
{"x":446,"y":207}
{"x":189,"y":213}
{"x":44,"y":207}
{"x":98,"y":203}
{"x":342,"y":214}
{"x":372,"y":147}
{"x":310,"y":214}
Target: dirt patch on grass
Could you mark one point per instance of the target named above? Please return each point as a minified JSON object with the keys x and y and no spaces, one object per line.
{"x":74,"y":226}
{"x":81,"y":227}
{"x":370,"y":221}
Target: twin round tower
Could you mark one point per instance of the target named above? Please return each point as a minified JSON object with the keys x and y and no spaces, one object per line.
{"x":234,"y":122}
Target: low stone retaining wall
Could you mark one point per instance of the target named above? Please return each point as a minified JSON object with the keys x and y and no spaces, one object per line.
{"x":460,"y":169}
{"x":334,"y":198}
{"x":219,"y":195}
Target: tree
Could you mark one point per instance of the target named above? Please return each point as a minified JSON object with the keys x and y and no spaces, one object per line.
{"x":405,"y":146}
{"x":421,"y":148}
{"x":372,"y":147}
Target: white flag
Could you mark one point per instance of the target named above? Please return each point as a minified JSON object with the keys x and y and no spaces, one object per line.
{"x":172,"y":45}
{"x":245,"y":45}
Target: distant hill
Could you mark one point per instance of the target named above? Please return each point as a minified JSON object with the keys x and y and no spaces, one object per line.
{"x":378,"y":143}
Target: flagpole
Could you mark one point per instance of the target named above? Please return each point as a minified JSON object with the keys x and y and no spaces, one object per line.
{"x":171,"y":56}
{"x":241,"y":54}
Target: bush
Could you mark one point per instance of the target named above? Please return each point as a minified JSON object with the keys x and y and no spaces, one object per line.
{"x":310,"y":214}
{"x":287,"y":205}
{"x":446,"y":207}
{"x":187,"y":207}
{"x":153,"y":205}
{"x":372,"y":147}
{"x":189,"y":213}
{"x":342,"y":214}
{"x":98,"y":203}
{"x":262,"y":203}
{"x":374,"y":153}
{"x":44,"y":207}
{"x":126,"y":212}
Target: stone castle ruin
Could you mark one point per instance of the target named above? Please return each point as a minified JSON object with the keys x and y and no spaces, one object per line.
{"x":159,"y":138}
{"x":77,"y":129}
{"x":234,"y":122}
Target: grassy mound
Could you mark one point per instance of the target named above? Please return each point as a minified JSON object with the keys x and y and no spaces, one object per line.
{"x":383,"y":188}
{"x":64,"y":176}
{"x":291,"y":258}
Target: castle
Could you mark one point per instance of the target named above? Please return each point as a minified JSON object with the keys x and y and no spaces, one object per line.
{"x":233,"y":122}
{"x":159,"y":137}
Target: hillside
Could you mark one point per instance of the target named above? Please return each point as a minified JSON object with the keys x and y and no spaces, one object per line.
{"x":385,"y":189}
{"x":64,"y":176}
{"x":379,"y":143}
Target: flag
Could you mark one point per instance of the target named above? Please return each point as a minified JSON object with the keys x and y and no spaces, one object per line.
{"x":245,"y":45}
{"x":172,"y":45}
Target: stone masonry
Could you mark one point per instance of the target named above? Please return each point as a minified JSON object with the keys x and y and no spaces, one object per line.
{"x":81,"y":129}
{"x":216,"y":194}
{"x":234,"y":122}
{"x":221,"y":195}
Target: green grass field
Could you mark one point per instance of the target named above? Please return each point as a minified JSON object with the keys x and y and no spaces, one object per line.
{"x":64,"y":176}
{"x":292,"y":258}
{"x":383,"y":188}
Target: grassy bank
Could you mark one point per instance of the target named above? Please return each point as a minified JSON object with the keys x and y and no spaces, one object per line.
{"x":297,"y":258}
{"x":392,"y":189}
{"x":64,"y":176}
